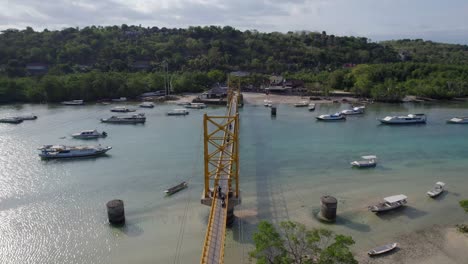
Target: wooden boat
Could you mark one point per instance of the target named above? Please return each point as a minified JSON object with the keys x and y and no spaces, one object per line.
{"x":436,"y":190}
{"x":382,"y":249}
{"x":458,"y":120}
{"x":367,"y":162}
{"x":390,"y":203}
{"x":311,"y":107}
{"x":176,"y":188}
{"x":11,"y":120}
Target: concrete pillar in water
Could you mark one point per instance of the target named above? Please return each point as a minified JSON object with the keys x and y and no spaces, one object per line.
{"x":115,"y":212}
{"x":273,"y":110}
{"x":230,"y":216}
{"x":329,"y":204}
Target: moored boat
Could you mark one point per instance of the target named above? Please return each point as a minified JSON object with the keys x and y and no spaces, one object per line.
{"x":369,"y":161}
{"x":178,"y":112}
{"x":436,"y":190}
{"x":132,"y":119}
{"x":311,"y":107}
{"x":267,"y":103}
{"x":122,"y":109}
{"x":73,"y":102}
{"x":404,"y":120}
{"x":390,"y":203}
{"x":458,"y":120}
{"x":301,"y":104}
{"x":382,"y":249}
{"x":89,"y":134}
{"x":354,"y":111}
{"x":195,"y":105}
{"x":147,"y":105}
{"x":333,"y":117}
{"x":62,"y":151}
{"x":176,"y":188}
{"x":11,"y":120}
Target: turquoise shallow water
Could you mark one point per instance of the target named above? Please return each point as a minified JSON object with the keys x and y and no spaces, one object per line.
{"x":54,"y":211}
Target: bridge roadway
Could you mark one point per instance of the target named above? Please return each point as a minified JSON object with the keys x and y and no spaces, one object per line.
{"x":213,"y":249}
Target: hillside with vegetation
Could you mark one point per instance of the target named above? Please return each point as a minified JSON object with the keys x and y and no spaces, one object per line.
{"x":104,"y":62}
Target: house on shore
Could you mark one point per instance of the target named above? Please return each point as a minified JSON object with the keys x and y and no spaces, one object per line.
{"x":217,"y":92}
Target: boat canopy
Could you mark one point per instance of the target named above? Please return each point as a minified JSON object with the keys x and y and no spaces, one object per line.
{"x":440,"y":183}
{"x":395,"y":198}
{"x":369,"y":157}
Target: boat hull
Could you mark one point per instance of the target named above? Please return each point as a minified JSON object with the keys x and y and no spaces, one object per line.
{"x":382,"y":249}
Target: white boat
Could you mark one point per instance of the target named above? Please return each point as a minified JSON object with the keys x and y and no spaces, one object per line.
{"x":301,"y":104}
{"x":458,"y":120}
{"x":267,"y":103}
{"x":27,"y":117}
{"x":122,"y":109}
{"x":73,"y":102}
{"x":390,"y":203}
{"x":195,"y":106}
{"x":11,"y":120}
{"x":354,"y":111}
{"x":132,"y":119}
{"x":89,"y":134}
{"x":436,"y":190}
{"x":367,"y":162}
{"x":334,"y":117}
{"x":147,"y":105}
{"x":61,"y":151}
{"x":178,"y":112}
{"x":402,"y":120}
{"x":382,"y":249}
{"x":121,"y":99}
{"x":311,"y":107}
{"x":183,"y":103}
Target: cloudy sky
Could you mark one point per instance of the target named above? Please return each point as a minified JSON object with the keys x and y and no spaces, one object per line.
{"x":438,"y":20}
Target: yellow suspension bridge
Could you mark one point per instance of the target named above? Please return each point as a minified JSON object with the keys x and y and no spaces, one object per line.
{"x":221,"y":156}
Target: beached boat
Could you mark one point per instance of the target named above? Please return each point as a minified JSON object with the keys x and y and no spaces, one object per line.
{"x":11,"y":120}
{"x":121,"y":99}
{"x":458,"y":120}
{"x":334,"y":117}
{"x":354,"y":111}
{"x":176,"y":188}
{"x":390,"y":203}
{"x":178,"y":112}
{"x":89,"y":134}
{"x":301,"y":104}
{"x":404,"y":120}
{"x":367,"y":162}
{"x":26,"y":117}
{"x":73,"y":102}
{"x":122,"y":109}
{"x":147,"y":105}
{"x":62,"y":151}
{"x":195,"y":106}
{"x":382,"y":249}
{"x":436,"y":190}
{"x":311,"y":107}
{"x":132,"y":119}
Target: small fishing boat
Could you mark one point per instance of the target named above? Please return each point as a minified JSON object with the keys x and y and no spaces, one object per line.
{"x":382,"y":249}
{"x":267,"y":103}
{"x":334,"y":117}
{"x":354,"y":111}
{"x":11,"y":120}
{"x":301,"y":104}
{"x":458,"y":120}
{"x":176,"y":188}
{"x":390,"y":203}
{"x":73,"y":102}
{"x":195,"y":106}
{"x":404,"y":120}
{"x":367,"y":162}
{"x":311,"y":107}
{"x":146,"y":105}
{"x":121,"y":99}
{"x":178,"y":112}
{"x":133,"y":119}
{"x":122,"y":109}
{"x":62,"y":151}
{"x":27,"y":117}
{"x":436,"y":190}
{"x":89,"y":134}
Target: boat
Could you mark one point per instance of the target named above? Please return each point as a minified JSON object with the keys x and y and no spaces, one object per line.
{"x":311,"y":107}
{"x":122,"y":109}
{"x":11,"y":120}
{"x":382,"y":249}
{"x":178,"y":112}
{"x":147,"y":105}
{"x":73,"y":102}
{"x":62,"y":151}
{"x":390,"y":203}
{"x":458,"y":120}
{"x":121,"y":99}
{"x":176,"y":188}
{"x":403,"y":120}
{"x":436,"y":190}
{"x":195,"y":105}
{"x":334,"y":117}
{"x":89,"y":134}
{"x":267,"y":103}
{"x":132,"y":119}
{"x":183,"y":103}
{"x":367,"y":162}
{"x":354,"y":111}
{"x":301,"y":104}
